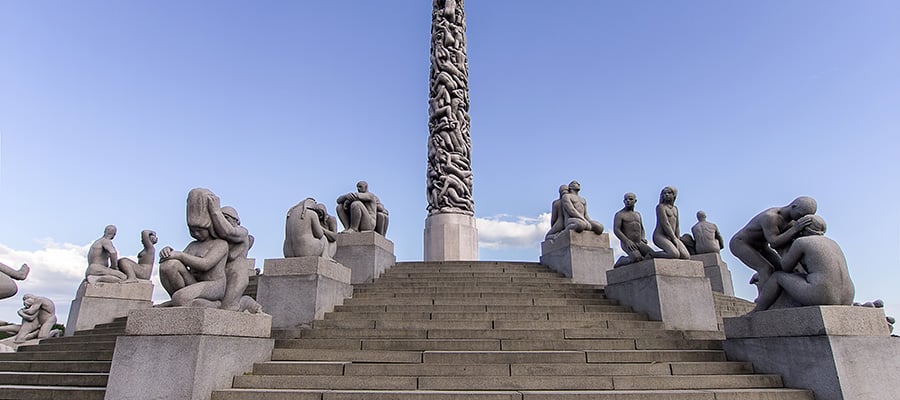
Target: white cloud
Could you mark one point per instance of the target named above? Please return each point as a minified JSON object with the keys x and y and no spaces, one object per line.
{"x":503,"y":231}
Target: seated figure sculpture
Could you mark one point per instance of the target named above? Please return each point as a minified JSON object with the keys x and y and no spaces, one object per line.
{"x":38,"y":317}
{"x":629,"y":228}
{"x":758,"y":243}
{"x":141,"y":269}
{"x":706,"y":235}
{"x":813,"y":272}
{"x":667,"y":235}
{"x":557,"y":223}
{"x":103,"y":259}
{"x":309,"y":231}
{"x":573,"y":212}
{"x":196,"y":276}
{"x":362,"y":211}
{"x":8,"y":278}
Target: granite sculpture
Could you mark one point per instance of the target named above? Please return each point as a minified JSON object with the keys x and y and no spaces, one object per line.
{"x":103,"y":259}
{"x":572,"y":209}
{"x":38,"y":317}
{"x":144,"y":266}
{"x":199,"y":276}
{"x":706,"y":236}
{"x":362,"y":211}
{"x":813,"y":272}
{"x":310,"y":231}
{"x":629,"y":228}
{"x":449,"y":172}
{"x":8,"y":278}
{"x":667,"y":234}
{"x":769,"y":233}
{"x":557,"y":222}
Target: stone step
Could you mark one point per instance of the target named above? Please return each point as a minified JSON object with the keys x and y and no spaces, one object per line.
{"x":570,"y":356}
{"x":523,"y":301}
{"x":488,"y":316}
{"x":81,"y":379}
{"x":479,"y":275}
{"x":370,"y":356}
{"x":57,"y":356}
{"x":67,"y":346}
{"x":80,"y":339}
{"x":55,"y":366}
{"x":10,"y":392}
{"x":407,"y":290}
{"x":102,"y":331}
{"x":712,"y":394}
{"x":484,"y":295}
{"x":472,"y":284}
{"x":589,"y":382}
{"x":482,"y":308}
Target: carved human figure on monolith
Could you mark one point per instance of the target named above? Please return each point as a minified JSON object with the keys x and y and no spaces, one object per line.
{"x":667,"y":234}
{"x":707,"y":238}
{"x":758,"y":243}
{"x":360,"y":211}
{"x":196,"y":276}
{"x":813,"y":272}
{"x":557,"y":222}
{"x":103,"y":259}
{"x":629,"y":228}
{"x":38,"y":317}
{"x":309,"y":231}
{"x":8,"y":278}
{"x":574,"y":211}
{"x":144,"y":265}
{"x":227,"y":225}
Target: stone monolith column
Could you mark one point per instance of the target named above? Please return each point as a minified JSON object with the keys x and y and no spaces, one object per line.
{"x":450,"y":232}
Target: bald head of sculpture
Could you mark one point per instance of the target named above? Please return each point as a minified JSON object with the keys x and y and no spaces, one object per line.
{"x":803,"y":205}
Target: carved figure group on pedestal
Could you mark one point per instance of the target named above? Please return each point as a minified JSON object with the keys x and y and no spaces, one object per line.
{"x":795,"y":264}
{"x":310,"y":231}
{"x":213,"y":270}
{"x":105,"y":266}
{"x":569,"y":212}
{"x":667,"y":234}
{"x":38,"y":317}
{"x":362,"y":211}
{"x":8,"y":278}
{"x":628,"y":226}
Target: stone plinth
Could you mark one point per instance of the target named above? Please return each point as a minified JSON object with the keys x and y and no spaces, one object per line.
{"x":717,"y":272}
{"x":675,"y":292}
{"x":838,"y":352}
{"x":585,"y":257}
{"x":451,"y":237}
{"x":367,"y":254}
{"x":185,"y":353}
{"x":295,"y":291}
{"x":101,"y":303}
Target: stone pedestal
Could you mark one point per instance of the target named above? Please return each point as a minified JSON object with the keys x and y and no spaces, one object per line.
{"x":367,"y":254}
{"x":675,"y":292}
{"x":717,"y":272}
{"x":185,"y":353}
{"x":838,"y":352}
{"x":451,"y":237}
{"x":101,"y":303}
{"x":585,"y":257}
{"x":295,"y":291}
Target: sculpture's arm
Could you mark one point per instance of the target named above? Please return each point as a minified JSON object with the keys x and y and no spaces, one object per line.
{"x":719,"y":238}
{"x":113,"y":254}
{"x":210,"y":260}
{"x":792,"y":257}
{"x":224,"y":228}
{"x":568,"y":207}
{"x":617,"y":230}
{"x":770,"y":231}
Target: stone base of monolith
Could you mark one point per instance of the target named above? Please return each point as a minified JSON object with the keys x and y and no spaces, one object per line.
{"x":295,"y":291}
{"x":675,"y":292}
{"x":184,"y":353}
{"x":837,"y":352}
{"x":101,"y":303}
{"x":717,"y":272}
{"x":451,"y":237}
{"x":367,"y":254}
{"x":585,"y":257}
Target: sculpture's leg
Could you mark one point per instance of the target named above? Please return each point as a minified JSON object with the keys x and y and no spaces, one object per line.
{"x":11,"y":328}
{"x":237,"y":277}
{"x":344,"y":215}
{"x":200,"y":294}
{"x":8,"y":287}
{"x":17,"y":274}
{"x":105,"y":274}
{"x":381,"y":224}
{"x":768,"y":293}
{"x":174,"y":276}
{"x":755,"y":258}
{"x":801,"y":290}
{"x":46,"y":327}
{"x":360,"y":219}
{"x":127,"y":266}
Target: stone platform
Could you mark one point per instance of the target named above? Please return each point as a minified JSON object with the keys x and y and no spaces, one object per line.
{"x":184,"y":353}
{"x":717,"y":272}
{"x":585,"y":257}
{"x":451,"y":237}
{"x":101,"y":303}
{"x":367,"y":254}
{"x":295,"y":291}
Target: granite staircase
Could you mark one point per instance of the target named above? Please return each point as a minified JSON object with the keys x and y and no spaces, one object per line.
{"x":490,"y":330}
{"x":67,"y":368}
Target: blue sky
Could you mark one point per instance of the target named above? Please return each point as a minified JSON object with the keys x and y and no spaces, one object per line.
{"x":111,"y":111}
